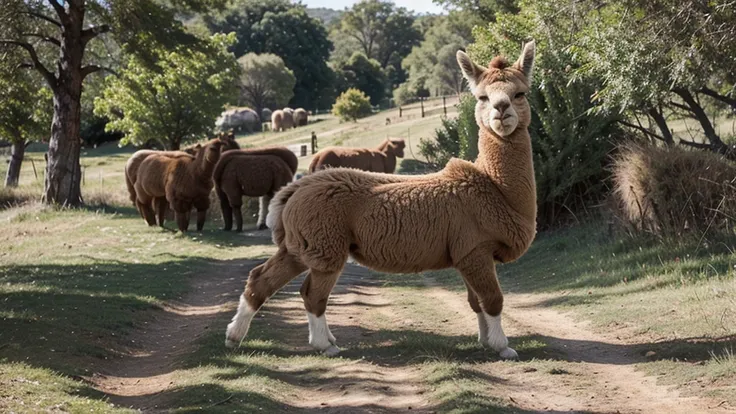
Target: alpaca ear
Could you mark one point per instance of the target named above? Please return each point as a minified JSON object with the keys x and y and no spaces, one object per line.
{"x":471,"y":71}
{"x":526,"y":60}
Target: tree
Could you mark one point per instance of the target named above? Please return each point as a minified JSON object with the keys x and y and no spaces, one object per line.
{"x":68,"y":28}
{"x":25,"y":110}
{"x":671,"y":61}
{"x":351,"y":105}
{"x":432,"y":65}
{"x":383,"y":31}
{"x":285,"y":30}
{"x":366,"y":75}
{"x":175,"y":100}
{"x":265,"y":81}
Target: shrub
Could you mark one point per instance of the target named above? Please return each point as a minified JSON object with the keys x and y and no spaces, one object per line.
{"x":674,"y":192}
{"x":351,"y":105}
{"x":444,"y":145}
{"x":404,"y":94}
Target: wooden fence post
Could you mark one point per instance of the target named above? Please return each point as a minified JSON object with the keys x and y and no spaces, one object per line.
{"x":444,"y":105}
{"x":400,"y":111}
{"x":421,"y":102}
{"x":33,"y":164}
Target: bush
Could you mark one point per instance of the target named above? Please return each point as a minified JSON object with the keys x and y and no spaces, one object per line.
{"x":675,"y":192}
{"x":351,"y":105}
{"x":404,"y":94}
{"x":444,"y":145}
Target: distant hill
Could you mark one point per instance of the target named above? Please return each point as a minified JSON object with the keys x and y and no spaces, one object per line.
{"x":327,"y":16}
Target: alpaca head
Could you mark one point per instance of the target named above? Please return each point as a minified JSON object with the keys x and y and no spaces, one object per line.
{"x":212,"y":150}
{"x":398,"y":146}
{"x":193,"y":149}
{"x":501,"y":91}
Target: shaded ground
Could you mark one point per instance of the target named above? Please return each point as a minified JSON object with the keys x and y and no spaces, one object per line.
{"x":396,"y":342}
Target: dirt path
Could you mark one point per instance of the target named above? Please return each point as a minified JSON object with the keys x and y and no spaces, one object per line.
{"x":601,"y":376}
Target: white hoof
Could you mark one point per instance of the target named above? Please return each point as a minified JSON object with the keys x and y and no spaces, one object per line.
{"x":508,"y":353}
{"x":231,"y":344}
{"x":331,"y":351}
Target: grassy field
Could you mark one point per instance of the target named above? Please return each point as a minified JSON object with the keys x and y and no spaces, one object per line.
{"x":100,"y":313}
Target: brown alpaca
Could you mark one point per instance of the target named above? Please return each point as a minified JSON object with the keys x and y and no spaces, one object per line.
{"x":467,"y":216}
{"x":183,"y":182}
{"x":381,"y":159}
{"x":282,"y":152}
{"x":135,"y":160}
{"x":239,"y":174}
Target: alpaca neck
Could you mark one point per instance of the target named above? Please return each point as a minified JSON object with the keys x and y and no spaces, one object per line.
{"x":204,"y":166}
{"x":508,"y":163}
{"x":390,"y":161}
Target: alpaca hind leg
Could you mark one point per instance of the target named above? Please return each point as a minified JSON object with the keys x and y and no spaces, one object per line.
{"x":202,"y":205}
{"x":263,"y":282}
{"x":161,"y":207}
{"x":182,"y":220}
{"x":482,"y":323}
{"x":238,"y":214}
{"x":479,"y":272}
{"x":316,"y":291}
{"x":227,"y":212}
{"x":147,"y":211}
{"x":201,"y":217}
{"x":263,"y":210}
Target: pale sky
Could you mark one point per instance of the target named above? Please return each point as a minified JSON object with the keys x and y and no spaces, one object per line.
{"x":419,"y":6}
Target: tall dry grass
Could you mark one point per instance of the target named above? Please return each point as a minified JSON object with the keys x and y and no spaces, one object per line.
{"x":675,"y":192}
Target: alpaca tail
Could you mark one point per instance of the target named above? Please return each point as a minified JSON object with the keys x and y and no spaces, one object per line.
{"x":131,"y":187}
{"x":276,"y":208}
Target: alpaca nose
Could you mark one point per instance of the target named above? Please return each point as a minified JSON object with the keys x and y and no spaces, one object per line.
{"x":501,"y":106}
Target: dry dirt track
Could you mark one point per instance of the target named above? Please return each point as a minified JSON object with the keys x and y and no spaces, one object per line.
{"x":604,"y":379}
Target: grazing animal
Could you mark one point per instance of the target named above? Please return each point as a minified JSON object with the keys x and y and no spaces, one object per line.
{"x":467,"y":216}
{"x":242,"y":173}
{"x":281,"y":120}
{"x":381,"y":159}
{"x":135,"y":160}
{"x":183,"y":182}
{"x":239,"y":119}
{"x":301,"y":117}
{"x":266,"y":115}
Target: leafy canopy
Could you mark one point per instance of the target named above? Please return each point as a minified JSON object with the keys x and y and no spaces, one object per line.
{"x":265,"y":81}
{"x":175,"y":101}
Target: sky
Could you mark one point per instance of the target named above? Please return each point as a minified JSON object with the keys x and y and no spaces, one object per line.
{"x":419,"y":6}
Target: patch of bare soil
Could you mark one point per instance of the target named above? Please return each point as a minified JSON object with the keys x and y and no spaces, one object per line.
{"x":599,"y":372}
{"x":600,"y":375}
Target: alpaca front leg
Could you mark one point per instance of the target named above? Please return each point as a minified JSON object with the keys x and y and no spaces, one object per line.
{"x":227,"y":214}
{"x":238,"y":214}
{"x":182,"y":221}
{"x":201,"y":217}
{"x":315,"y":292}
{"x":263,"y":211}
{"x":486,"y":299}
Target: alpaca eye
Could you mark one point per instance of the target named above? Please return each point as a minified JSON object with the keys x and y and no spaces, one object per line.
{"x":483,"y":98}
{"x":519,"y":95}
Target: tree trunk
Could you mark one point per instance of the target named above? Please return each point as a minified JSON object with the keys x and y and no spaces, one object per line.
{"x":63,"y":173}
{"x":16,"y":159}
{"x":662,"y":124}
{"x":716,"y":144}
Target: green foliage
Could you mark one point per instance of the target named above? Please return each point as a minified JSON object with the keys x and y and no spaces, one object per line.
{"x":265,"y":81}
{"x":444,"y":146}
{"x":404,"y":94}
{"x":382,"y":31}
{"x":25,"y":103}
{"x":351,"y":105}
{"x":432,"y":65}
{"x":175,"y":101}
{"x":285,"y":30}
{"x":458,"y":137}
{"x":365,"y":74}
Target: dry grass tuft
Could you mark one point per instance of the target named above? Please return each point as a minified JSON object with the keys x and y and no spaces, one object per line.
{"x":675,"y":192}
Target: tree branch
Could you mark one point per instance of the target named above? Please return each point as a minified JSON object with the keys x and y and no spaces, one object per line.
{"x":715,"y":95}
{"x":697,"y":145}
{"x":642,"y":129}
{"x":43,"y":37}
{"x":90,"y":69}
{"x":42,"y":17}
{"x":94,"y":31}
{"x":58,"y":8}
{"x":50,"y":77}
